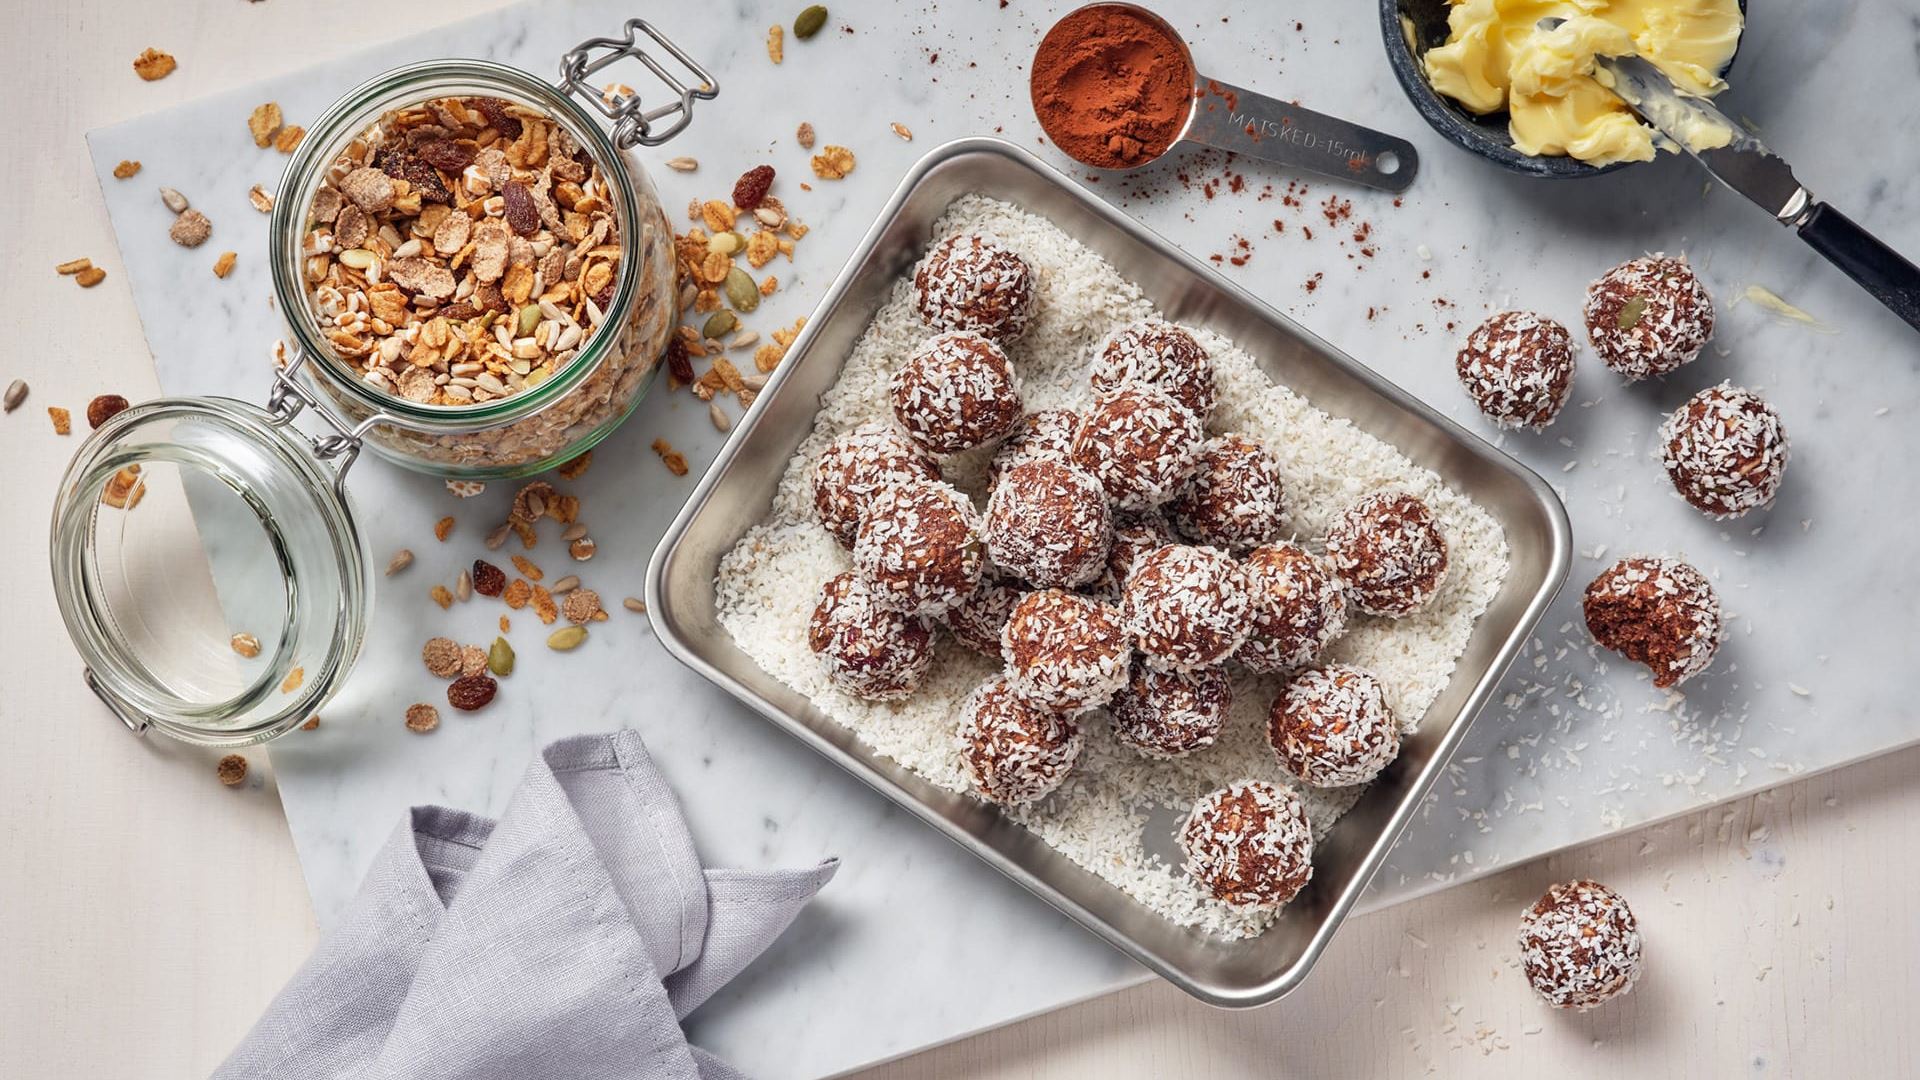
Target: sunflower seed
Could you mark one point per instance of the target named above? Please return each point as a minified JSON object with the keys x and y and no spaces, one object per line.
{"x":635,"y":604}
{"x":463,"y":586}
{"x":175,"y":201}
{"x":498,"y":536}
{"x":16,"y":393}
{"x":565,"y":585}
{"x":743,"y":339}
{"x":574,"y":532}
{"x":400,"y":561}
{"x":721,"y":421}
{"x":682,"y":164}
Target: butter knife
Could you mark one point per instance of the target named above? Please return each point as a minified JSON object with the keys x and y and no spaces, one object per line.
{"x":1743,"y":163}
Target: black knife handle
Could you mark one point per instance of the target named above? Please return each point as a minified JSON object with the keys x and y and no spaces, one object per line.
{"x":1878,"y":268}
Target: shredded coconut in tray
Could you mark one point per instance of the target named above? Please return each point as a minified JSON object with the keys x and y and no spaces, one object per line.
{"x":768,"y":584}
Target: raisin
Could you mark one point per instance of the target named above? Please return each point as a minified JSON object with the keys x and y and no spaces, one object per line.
{"x":403,"y":165}
{"x":679,"y":364}
{"x":603,"y":298}
{"x":522,"y":215}
{"x":103,"y":408}
{"x":470,"y":692}
{"x":446,"y":154}
{"x":497,"y":115}
{"x":459,"y":311}
{"x":488,"y":579}
{"x":752,"y":187}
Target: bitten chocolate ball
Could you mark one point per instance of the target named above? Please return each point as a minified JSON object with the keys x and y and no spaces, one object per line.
{"x":1725,"y":451}
{"x":1249,"y":844}
{"x":1518,"y":368}
{"x":1161,"y":354}
{"x":868,"y":651}
{"x":955,"y":392}
{"x":1580,"y":945}
{"x":978,"y":621}
{"x":1170,"y":714}
{"x":1299,"y":607}
{"x":1659,"y":612}
{"x":1048,"y":524}
{"x":1015,"y":751}
{"x":1138,"y":443}
{"x":855,"y":466}
{"x":1331,"y":727}
{"x":1390,"y":552}
{"x":1648,"y":316}
{"x":1065,"y":652}
{"x":1187,"y":607}
{"x":1044,"y":435}
{"x":972,"y":283}
{"x":919,"y":548}
{"x":1231,"y":495}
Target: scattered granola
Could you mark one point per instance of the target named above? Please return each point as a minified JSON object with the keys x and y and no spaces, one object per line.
{"x":517,"y":593}
{"x":190,"y":229}
{"x":776,"y":42}
{"x":153,"y":65}
{"x":441,"y":596}
{"x":903,"y":131}
{"x":526,"y":566}
{"x":16,"y":393}
{"x":289,"y":138}
{"x":246,"y":645}
{"x":90,"y":277}
{"x":73,"y":266}
{"x":465,"y":489}
{"x":833,"y":162}
{"x":422,"y":717}
{"x":223,"y":265}
{"x":804,"y":135}
{"x":312,"y":722}
{"x":263,"y":122}
{"x":124,"y":489}
{"x":293,"y":680}
{"x":443,"y":528}
{"x":675,"y":462}
{"x":473,"y":660}
{"x":400,"y":561}
{"x":442,"y":656}
{"x":232,"y":770}
{"x":103,"y":408}
{"x":581,"y":606}
{"x":544,"y":606}
{"x":261,"y":198}
{"x":125,"y":170}
{"x":584,"y":548}
{"x":575,"y":469}
{"x":62,"y":420}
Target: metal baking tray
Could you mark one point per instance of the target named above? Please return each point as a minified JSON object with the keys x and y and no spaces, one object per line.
{"x":738,"y":490}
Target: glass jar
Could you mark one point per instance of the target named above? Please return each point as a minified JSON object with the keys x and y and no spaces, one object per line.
{"x":205,"y":552}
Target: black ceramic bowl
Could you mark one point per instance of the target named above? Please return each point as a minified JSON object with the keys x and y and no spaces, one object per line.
{"x":1484,"y":135}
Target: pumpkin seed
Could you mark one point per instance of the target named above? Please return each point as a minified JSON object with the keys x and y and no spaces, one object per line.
{"x":720,"y":323}
{"x":1630,"y":312}
{"x":810,"y":22}
{"x":566,"y":638}
{"x":500,"y":657}
{"x":529,"y":318}
{"x":742,"y":292}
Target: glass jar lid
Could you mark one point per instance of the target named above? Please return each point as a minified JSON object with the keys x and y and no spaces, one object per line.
{"x":208,"y":567}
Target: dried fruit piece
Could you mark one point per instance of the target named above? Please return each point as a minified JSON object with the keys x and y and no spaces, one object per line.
{"x":809,"y":21}
{"x":246,"y":645}
{"x":833,"y":162}
{"x":443,"y":528}
{"x":154,"y":64}
{"x":223,"y":265}
{"x":488,"y":579}
{"x":312,"y":722}
{"x":232,"y":770}
{"x":751,"y":189}
{"x":190,"y":229}
{"x":566,"y":639}
{"x":446,"y":154}
{"x":470,"y":692}
{"x":405,"y":165}
{"x":103,"y":408}
{"x":263,"y":122}
{"x":500,"y":657}
{"x":804,"y":135}
{"x":62,"y":420}
{"x":422,"y":717}
{"x":90,"y":277}
{"x":675,"y":461}
{"x":125,"y":170}
{"x":522,"y":215}
{"x":495,"y":110}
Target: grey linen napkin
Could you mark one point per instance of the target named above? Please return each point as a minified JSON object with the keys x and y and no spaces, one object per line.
{"x":568,"y":939}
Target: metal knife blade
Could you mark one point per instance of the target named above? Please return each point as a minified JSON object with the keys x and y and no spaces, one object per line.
{"x":1730,"y":153}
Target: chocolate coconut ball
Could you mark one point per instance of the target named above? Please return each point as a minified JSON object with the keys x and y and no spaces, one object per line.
{"x":1014,"y":751}
{"x":867,"y":651}
{"x":1133,"y":536}
{"x":1170,"y":714}
{"x":1518,"y":368}
{"x":1580,"y":945}
{"x":1659,"y":612}
{"x":1160,"y":354}
{"x":855,"y":466}
{"x":1648,"y":316}
{"x":1249,"y":844}
{"x":1390,"y":552}
{"x":919,"y":548}
{"x":1331,"y":727}
{"x":1299,"y":607}
{"x":1065,"y":652}
{"x":1187,"y":607}
{"x":1138,"y":443}
{"x":972,"y":283}
{"x":1725,"y":451}
{"x":978,"y":621}
{"x":955,"y":392}
{"x":1231,"y":495}
{"x":1048,"y":524}
{"x":1044,"y":435}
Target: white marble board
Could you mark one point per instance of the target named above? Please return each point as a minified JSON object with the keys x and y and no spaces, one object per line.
{"x":1820,"y":588}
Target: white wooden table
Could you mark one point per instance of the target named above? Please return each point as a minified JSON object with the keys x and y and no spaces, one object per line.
{"x":150,"y":913}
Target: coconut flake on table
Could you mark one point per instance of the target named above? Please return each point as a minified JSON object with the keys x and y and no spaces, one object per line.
{"x":768,"y":584}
